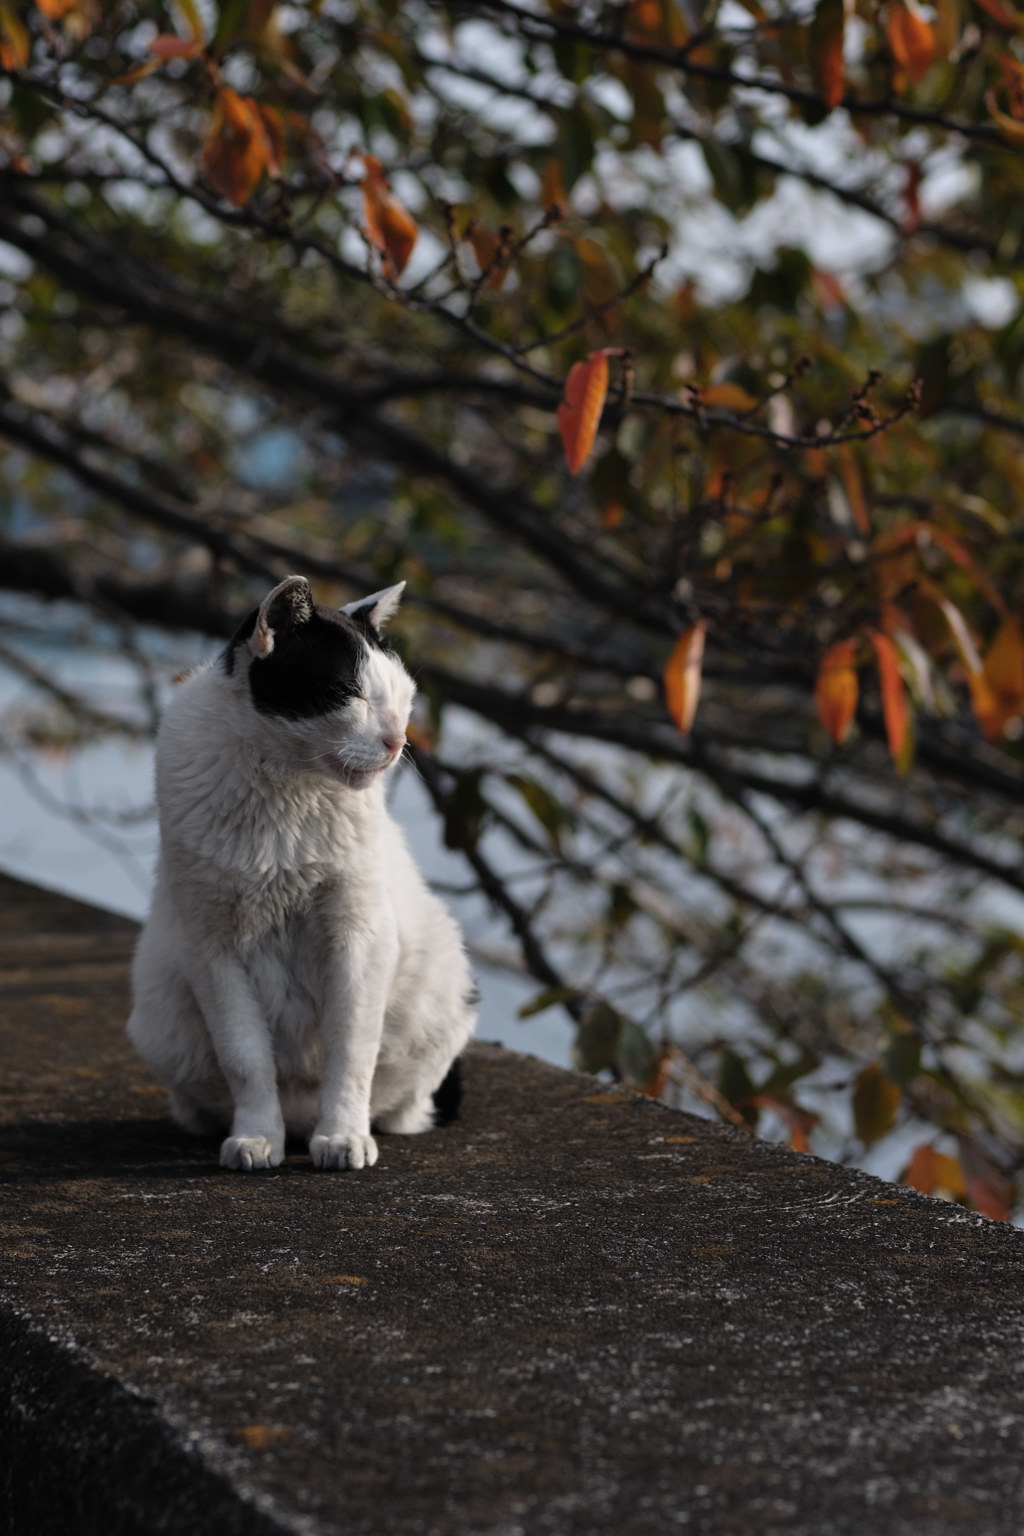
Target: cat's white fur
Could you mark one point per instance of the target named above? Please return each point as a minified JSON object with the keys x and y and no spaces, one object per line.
{"x":295,"y":972}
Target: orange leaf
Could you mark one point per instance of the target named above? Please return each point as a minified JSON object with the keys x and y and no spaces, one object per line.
{"x":421,"y":736}
{"x":990,"y":1199}
{"x":684,"y":300}
{"x":139,"y":72}
{"x":989,"y":1189}
{"x":730,"y":397}
{"x":997,"y":690}
{"x":920,"y":531}
{"x":79,"y":16}
{"x":828,"y":291}
{"x":911,"y":219}
{"x":389,"y":226}
{"x":168,"y":46}
{"x":683,"y":676}
{"x":826,"y":51}
{"x":894,"y":698}
{"x":946,"y":27}
{"x":962,"y":638}
{"x":853,"y":484}
{"x":489,"y":252}
{"x":237,"y":151}
{"x":580,"y":410}
{"x":273,"y":129}
{"x":988,"y":710}
{"x":15,"y":43}
{"x":897,"y":561}
{"x":958,"y":552}
{"x":798,"y":1122}
{"x":911,"y":39}
{"x":1011,"y":128}
{"x":836,"y":689}
{"x":917,"y":667}
{"x":1004,"y":663}
{"x":660,"y":1074}
{"x":601,"y":286}
{"x":657,"y":21}
{"x":930,"y":1170}
{"x":552,"y":189}
{"x":875,"y":1103}
{"x":1003,"y":14}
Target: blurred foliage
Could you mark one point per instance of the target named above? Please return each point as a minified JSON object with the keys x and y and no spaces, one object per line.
{"x":349,"y":287}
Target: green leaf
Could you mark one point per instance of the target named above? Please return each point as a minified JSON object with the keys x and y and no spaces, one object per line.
{"x":611,"y":486}
{"x":621,"y":906}
{"x":573,"y":59}
{"x":700,"y":827}
{"x":788,"y":1073}
{"x":875,"y":1102}
{"x":551,"y":997}
{"x":495,"y":177}
{"x":597,"y":1038}
{"x":933,"y":366}
{"x":435,"y":710}
{"x":781,"y":286}
{"x":901,"y":1059}
{"x":28,"y":109}
{"x":465,"y":811}
{"x":193,"y":20}
{"x":231,"y":17}
{"x":733,"y":173}
{"x":575,"y":142}
{"x":636,"y":1055}
{"x":736,"y":1084}
{"x":553,"y":816}
{"x":648,"y":124}
{"x":726,"y":177}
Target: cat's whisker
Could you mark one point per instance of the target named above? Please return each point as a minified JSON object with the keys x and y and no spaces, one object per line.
{"x":407,"y":757}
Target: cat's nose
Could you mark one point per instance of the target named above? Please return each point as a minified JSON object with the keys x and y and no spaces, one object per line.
{"x":393,"y":744}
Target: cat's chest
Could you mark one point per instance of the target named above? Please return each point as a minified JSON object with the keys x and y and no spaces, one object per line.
{"x":280,"y":901}
{"x":260,"y":858}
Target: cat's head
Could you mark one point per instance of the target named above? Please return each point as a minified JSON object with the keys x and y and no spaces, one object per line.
{"x":322,"y":683}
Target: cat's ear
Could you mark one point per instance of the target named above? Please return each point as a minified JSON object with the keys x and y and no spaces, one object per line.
{"x":376,"y":609}
{"x":288,"y":606}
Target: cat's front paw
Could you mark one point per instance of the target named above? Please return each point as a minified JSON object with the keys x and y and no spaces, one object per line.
{"x":343,"y":1151}
{"x":250,"y":1152}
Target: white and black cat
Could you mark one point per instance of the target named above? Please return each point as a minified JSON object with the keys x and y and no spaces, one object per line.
{"x":295,"y":972}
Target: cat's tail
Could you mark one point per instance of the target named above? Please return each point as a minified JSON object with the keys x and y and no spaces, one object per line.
{"x":448,"y":1097}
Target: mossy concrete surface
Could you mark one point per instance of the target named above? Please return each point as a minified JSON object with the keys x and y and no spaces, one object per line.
{"x":572,"y":1311}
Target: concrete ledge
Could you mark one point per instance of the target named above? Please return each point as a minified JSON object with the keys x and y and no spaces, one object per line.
{"x":573,"y":1311}
{"x":82,"y":1453}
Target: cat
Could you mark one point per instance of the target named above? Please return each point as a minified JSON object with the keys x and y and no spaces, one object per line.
{"x":295,"y":974}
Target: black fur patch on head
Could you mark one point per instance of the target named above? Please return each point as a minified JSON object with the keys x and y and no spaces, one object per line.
{"x":448,"y":1097}
{"x":363,"y":620}
{"x":240,"y":637}
{"x":313,"y":668}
